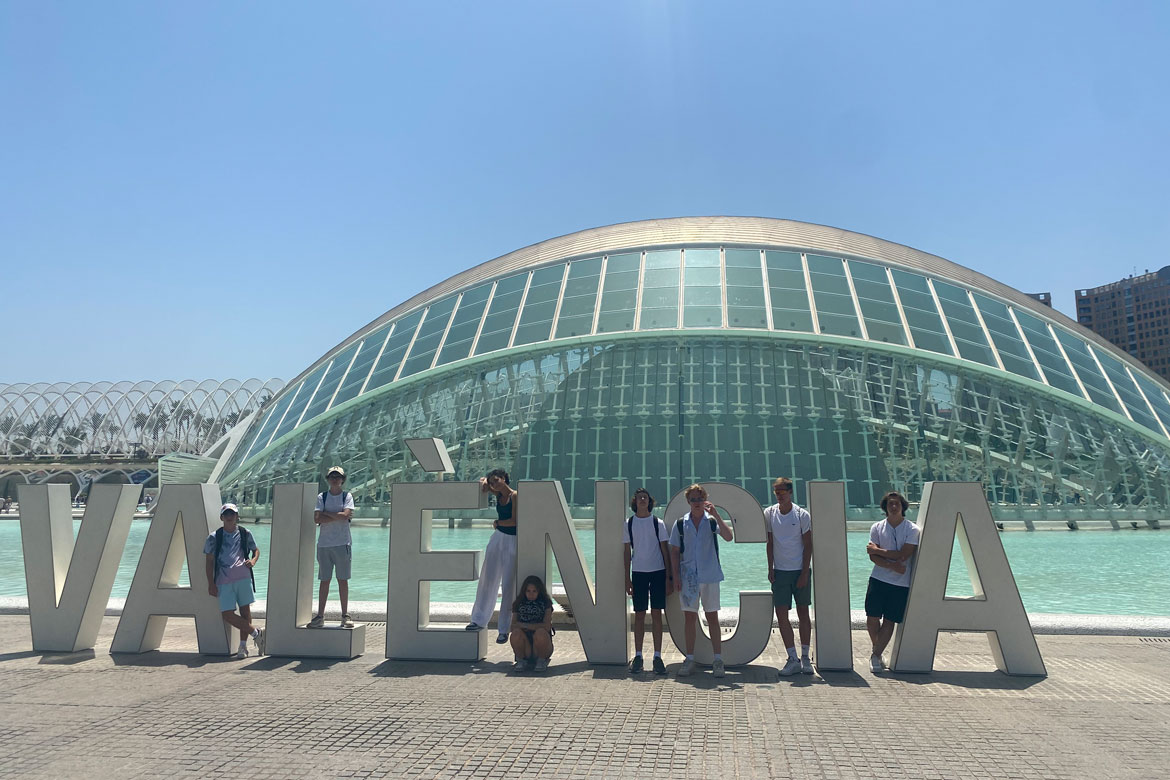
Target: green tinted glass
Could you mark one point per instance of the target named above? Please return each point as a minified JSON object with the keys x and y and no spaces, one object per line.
{"x":579,"y":299}
{"x":786,"y":288}
{"x":619,"y":293}
{"x":922,"y":317}
{"x":501,"y":316}
{"x":464,"y":324}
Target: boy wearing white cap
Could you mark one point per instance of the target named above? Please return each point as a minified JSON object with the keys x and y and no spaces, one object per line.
{"x":334,"y":545}
{"x":230,"y":555}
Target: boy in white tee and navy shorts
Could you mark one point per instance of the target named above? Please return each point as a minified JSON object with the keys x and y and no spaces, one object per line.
{"x":648,"y":578}
{"x":892,"y":544}
{"x":789,"y":558}
{"x":334,"y":545}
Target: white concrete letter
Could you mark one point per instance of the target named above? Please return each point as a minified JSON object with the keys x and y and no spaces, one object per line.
{"x":186,"y":514}
{"x":833,"y":636}
{"x":544,"y":524}
{"x":290,"y":583}
{"x":409,"y":632}
{"x":754,"y":628}
{"x":69,"y":584}
{"x":995,"y":609}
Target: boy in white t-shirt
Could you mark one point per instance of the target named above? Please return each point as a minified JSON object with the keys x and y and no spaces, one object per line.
{"x":789,"y":558}
{"x":334,"y":545}
{"x":648,"y":579}
{"x":892,"y":544}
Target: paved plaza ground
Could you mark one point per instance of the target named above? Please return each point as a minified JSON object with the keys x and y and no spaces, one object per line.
{"x":1103,"y":712}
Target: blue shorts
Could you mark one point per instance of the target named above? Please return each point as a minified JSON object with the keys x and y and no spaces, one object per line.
{"x":233,"y":593}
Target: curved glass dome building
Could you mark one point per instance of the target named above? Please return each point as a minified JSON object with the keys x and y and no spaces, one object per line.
{"x":728,"y":349}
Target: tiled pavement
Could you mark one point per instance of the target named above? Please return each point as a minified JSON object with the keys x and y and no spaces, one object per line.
{"x":1104,"y":711}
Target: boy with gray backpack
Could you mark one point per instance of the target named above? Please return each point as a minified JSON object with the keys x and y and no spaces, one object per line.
{"x":648,"y":579}
{"x":334,"y":545}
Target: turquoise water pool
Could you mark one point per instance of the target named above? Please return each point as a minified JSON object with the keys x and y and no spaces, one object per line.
{"x":1082,"y":572}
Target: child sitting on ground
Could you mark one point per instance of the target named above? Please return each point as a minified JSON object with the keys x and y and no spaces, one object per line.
{"x":532,"y":629}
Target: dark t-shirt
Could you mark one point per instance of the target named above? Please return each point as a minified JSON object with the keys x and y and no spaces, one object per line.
{"x":532,"y":611}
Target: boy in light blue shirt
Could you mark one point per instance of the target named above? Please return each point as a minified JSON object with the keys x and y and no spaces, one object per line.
{"x":694,"y":556}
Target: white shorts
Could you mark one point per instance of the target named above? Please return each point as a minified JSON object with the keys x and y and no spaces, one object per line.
{"x":708,"y":594}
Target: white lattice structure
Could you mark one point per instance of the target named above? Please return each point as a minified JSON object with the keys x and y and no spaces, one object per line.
{"x":137,"y":420}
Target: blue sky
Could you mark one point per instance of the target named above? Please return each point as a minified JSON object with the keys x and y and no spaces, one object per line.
{"x":196,"y":190}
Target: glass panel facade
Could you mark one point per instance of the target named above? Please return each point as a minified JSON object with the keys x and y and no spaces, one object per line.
{"x":387,"y":366}
{"x":579,"y":299}
{"x":1139,"y":411}
{"x":1008,"y":341}
{"x":501,"y":316}
{"x":660,"y":290}
{"x":1087,"y":370}
{"x":790,"y":307}
{"x":1156,"y":397}
{"x":882,"y":321}
{"x":293,"y":415}
{"x":329,"y":384}
{"x":835,"y":311}
{"x":351,"y":385}
{"x":264,"y":434}
{"x":965,"y":327}
{"x":464,"y":324}
{"x":745,"y":289}
{"x":1056,"y":368}
{"x":430,"y":333}
{"x":702,"y":289}
{"x":922,"y":316}
{"x":540,"y":305}
{"x":619,"y":293}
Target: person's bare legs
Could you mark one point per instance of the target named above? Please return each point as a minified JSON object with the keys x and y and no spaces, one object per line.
{"x":656,"y":620}
{"x":246,"y":614}
{"x":232,"y":619}
{"x":692,"y":625}
{"x":520,"y":645}
{"x":874,"y":626}
{"x":542,"y":643}
{"x":343,"y":594}
{"x":785,"y":624}
{"x":713,"y":629}
{"x":322,"y":596}
{"x":805,"y":623}
{"x":639,"y":631}
{"x":884,"y":634}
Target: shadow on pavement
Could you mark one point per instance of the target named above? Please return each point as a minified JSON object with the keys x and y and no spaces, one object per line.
{"x":67,"y":659}
{"x":20,"y":654}
{"x":993,"y":680}
{"x":157,"y":658}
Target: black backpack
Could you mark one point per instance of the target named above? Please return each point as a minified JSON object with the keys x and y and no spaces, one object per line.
{"x":344,"y":497}
{"x":246,"y":541}
{"x":682,"y":544}
{"x":630,"y":533}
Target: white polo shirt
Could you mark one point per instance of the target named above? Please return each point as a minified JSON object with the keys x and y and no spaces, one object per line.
{"x":648,"y":533}
{"x":788,"y":532}
{"x":890,"y":537}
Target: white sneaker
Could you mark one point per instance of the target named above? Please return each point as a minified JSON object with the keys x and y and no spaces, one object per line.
{"x":242,"y":651}
{"x":258,"y":638}
{"x":717,"y":668}
{"x":791,"y":668}
{"x":877,"y":664}
{"x":805,"y":665}
{"x":687,"y":668}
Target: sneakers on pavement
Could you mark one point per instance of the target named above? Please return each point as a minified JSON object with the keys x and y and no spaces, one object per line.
{"x":317,"y":621}
{"x":473,"y":627}
{"x":541,"y":665}
{"x":259,"y":639}
{"x":717,"y":668}
{"x":687,"y":668}
{"x":659,"y":666}
{"x":806,"y":665}
{"x":520,"y":665}
{"x":501,"y":639}
{"x":877,"y":664}
{"x":636,"y":665}
{"x":242,"y":651}
{"x":346,"y":621}
{"x":791,"y":668}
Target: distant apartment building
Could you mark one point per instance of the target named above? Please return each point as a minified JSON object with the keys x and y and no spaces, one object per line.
{"x":1134,"y":315}
{"x":1044,"y":298}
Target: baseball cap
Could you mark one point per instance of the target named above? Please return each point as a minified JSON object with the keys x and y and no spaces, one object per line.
{"x":335,"y":469}
{"x":223,"y":510}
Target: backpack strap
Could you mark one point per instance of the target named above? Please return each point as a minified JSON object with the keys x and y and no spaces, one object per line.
{"x":630,"y":531}
{"x":715,"y":536}
{"x":246,"y":540}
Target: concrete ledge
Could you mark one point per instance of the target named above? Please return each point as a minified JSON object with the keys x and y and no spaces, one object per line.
{"x":460,"y":612}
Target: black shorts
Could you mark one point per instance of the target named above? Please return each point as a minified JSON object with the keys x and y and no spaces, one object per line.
{"x":649,"y":586}
{"x":885,"y":600}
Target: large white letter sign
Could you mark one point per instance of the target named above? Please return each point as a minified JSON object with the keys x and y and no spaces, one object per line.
{"x":69,"y":584}
{"x":186,"y":514}
{"x":995,"y":609}
{"x":290,"y":583}
{"x":754,"y":628}
{"x":409,"y":632}
{"x":833,"y":637}
{"x":543,"y":522}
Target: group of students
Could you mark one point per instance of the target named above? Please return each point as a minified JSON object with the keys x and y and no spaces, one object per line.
{"x":657,"y":563}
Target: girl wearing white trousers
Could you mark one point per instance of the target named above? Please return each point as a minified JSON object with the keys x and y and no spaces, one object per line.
{"x":499,"y":560}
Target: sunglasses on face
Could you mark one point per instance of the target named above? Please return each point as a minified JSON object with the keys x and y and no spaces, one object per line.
{"x":695,"y":500}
